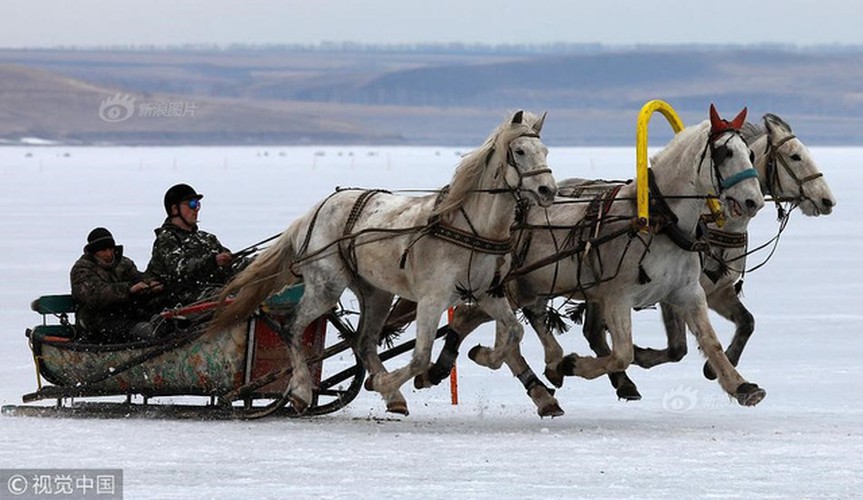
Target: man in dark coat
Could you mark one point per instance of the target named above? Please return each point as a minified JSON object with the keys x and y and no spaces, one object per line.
{"x":191,"y":263}
{"x":111,"y":291}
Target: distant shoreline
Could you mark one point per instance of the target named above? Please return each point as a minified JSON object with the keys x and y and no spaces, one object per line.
{"x":415,"y":94}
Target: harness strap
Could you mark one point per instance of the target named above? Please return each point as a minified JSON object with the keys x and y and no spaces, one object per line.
{"x":470,"y":241}
{"x":358,"y":207}
{"x":565,"y":253}
{"x":666,"y":219}
{"x":726,"y":239}
{"x":723,"y":240}
{"x":305,"y":246}
{"x":348,"y":251}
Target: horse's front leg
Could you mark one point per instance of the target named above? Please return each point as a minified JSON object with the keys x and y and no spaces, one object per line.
{"x":746,"y":393}
{"x":618,"y":319}
{"x":552,"y":351}
{"x":508,"y":333}
{"x":466,"y":319}
{"x":542,"y":396}
{"x":675,"y":333}
{"x":727,"y":303}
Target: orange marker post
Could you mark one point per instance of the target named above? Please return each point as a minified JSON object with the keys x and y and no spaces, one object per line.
{"x":453,"y":374}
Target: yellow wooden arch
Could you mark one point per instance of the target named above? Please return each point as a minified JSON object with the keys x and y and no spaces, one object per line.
{"x":641,"y":152}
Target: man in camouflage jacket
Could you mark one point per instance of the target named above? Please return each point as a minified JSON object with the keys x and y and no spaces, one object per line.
{"x":191,"y":263}
{"x":111,"y":292}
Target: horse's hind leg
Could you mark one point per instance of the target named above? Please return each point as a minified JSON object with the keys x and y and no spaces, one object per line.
{"x":675,"y":333}
{"x":594,"y":331}
{"x":374,"y":306}
{"x":727,"y":303}
{"x":315,"y":302}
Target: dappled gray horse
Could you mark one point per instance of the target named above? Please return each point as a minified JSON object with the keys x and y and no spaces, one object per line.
{"x":435,"y":250}
{"x":789,"y":174}
{"x":593,"y":252}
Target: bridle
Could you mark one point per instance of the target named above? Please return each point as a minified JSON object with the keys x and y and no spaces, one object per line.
{"x":774,"y":184}
{"x":510,"y":162}
{"x":718,"y":155}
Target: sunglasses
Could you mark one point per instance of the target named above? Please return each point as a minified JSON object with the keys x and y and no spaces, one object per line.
{"x":194,"y":204}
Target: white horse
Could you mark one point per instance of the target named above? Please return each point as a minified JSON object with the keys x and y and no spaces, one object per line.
{"x":594,"y":253}
{"x":788,"y":173}
{"x":436,"y":250}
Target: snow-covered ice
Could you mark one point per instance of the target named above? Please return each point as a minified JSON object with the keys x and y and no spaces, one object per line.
{"x":684,"y":439}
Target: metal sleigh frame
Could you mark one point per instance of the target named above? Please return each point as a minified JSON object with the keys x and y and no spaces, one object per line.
{"x":241,"y":372}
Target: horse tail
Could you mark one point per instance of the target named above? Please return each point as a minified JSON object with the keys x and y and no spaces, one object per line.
{"x":267,"y":274}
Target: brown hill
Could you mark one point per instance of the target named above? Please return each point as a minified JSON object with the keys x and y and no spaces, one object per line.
{"x":36,"y":103}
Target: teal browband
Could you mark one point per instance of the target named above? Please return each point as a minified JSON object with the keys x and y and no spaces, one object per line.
{"x":738,"y":177}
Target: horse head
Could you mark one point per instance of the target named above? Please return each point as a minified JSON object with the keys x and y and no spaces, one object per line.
{"x":734,"y":175}
{"x":789,"y":173}
{"x":525,"y":168}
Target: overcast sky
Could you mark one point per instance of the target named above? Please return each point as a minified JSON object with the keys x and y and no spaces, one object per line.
{"x":41,"y":23}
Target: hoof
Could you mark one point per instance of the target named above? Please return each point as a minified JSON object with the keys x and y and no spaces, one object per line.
{"x":369,"y":383}
{"x":550,"y":410}
{"x":749,"y":394}
{"x":628,"y":392}
{"x":437,"y":374}
{"x":709,"y":374}
{"x":422,"y":382}
{"x":399,"y":407}
{"x":298,"y":404}
{"x":554,"y":376}
{"x":625,"y":387}
{"x":567,"y":365}
{"x":474,"y":352}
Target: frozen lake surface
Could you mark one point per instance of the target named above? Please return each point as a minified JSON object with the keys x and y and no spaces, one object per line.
{"x":684,"y":439}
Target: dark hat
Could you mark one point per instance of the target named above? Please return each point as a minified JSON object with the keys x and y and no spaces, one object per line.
{"x":178,"y":194}
{"x":99,"y":239}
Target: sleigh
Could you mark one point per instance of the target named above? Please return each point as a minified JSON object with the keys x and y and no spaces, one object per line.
{"x":241,"y":372}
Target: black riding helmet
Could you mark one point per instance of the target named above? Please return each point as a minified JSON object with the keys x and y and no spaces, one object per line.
{"x":178,"y":194}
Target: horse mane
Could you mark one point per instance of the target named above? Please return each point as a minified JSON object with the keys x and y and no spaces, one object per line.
{"x":688,"y":138}
{"x":751,"y":132}
{"x":774,"y":121}
{"x":468,"y":174}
